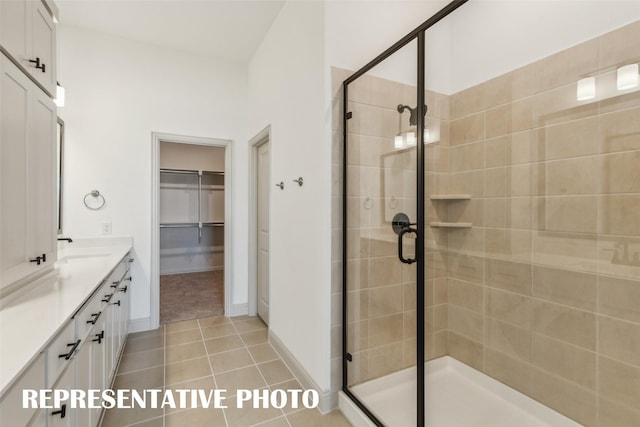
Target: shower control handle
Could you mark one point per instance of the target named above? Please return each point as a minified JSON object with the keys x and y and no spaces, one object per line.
{"x":400,"y":254}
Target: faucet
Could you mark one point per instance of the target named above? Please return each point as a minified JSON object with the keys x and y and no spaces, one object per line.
{"x":68,"y":239}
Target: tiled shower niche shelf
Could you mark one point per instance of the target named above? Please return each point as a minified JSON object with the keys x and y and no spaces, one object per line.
{"x":451,"y":197}
{"x":451,"y":224}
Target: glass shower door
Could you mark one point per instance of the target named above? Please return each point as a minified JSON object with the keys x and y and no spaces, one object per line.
{"x":381,"y":257}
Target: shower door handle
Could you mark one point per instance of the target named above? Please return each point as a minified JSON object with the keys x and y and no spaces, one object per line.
{"x":400,"y":235}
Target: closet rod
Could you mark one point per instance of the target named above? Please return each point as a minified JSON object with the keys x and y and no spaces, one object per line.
{"x":213,"y":224}
{"x":180,"y":225}
{"x":179,"y":171}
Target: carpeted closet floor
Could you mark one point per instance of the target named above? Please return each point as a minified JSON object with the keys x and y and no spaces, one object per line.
{"x":191,"y":296}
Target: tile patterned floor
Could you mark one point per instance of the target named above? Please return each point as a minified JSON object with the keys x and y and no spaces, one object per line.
{"x":210,"y":353}
{"x":191,"y":296}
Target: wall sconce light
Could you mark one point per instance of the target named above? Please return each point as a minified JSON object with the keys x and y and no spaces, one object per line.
{"x":59,"y":95}
{"x":627,"y":77}
{"x":586,"y":88}
{"x":411,"y":139}
{"x":398,"y":141}
{"x":405,"y":139}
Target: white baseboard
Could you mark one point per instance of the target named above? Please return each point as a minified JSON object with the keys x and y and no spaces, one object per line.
{"x":238,"y":310}
{"x":305,"y":380}
{"x":140,"y":325}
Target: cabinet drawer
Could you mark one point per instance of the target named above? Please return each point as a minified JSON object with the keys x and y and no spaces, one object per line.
{"x":61,"y":351}
{"x":88,"y":315}
{"x":40,"y":419}
{"x":11,"y":411}
{"x":121,"y":271}
{"x":105,"y":293}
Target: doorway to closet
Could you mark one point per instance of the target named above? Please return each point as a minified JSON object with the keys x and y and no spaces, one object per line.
{"x":191,"y":231}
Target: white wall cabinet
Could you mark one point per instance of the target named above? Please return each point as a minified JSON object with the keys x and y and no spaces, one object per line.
{"x":28,"y":34}
{"x":27,"y":174}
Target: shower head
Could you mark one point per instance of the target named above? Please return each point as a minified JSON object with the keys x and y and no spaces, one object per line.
{"x":413,"y":118}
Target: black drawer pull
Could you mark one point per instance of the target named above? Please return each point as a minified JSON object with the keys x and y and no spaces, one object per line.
{"x":95,"y":318}
{"x":129,"y":279}
{"x":38,"y":65}
{"x":107,"y":298}
{"x":131,"y":259}
{"x":44,"y":257}
{"x":116,"y":303}
{"x":68,"y":355}
{"x":62,"y":411}
{"x":37,"y":260}
{"x":99,"y":337}
{"x":124,"y":289}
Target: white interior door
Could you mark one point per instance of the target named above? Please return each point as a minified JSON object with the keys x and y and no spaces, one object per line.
{"x":263,"y":231}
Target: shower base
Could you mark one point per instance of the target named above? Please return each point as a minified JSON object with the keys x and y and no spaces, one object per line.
{"x":456,"y":396}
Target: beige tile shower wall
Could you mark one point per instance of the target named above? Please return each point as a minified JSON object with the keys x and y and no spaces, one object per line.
{"x":544,"y":290}
{"x":382,"y":306}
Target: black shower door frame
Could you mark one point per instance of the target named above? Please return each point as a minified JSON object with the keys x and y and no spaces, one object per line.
{"x":419,"y":34}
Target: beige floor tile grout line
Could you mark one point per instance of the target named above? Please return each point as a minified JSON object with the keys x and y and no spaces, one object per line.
{"x":164,"y":368}
{"x":215,"y":383}
{"x":246,"y":347}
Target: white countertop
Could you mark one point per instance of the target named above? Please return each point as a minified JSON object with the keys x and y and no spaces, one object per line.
{"x":30,"y":318}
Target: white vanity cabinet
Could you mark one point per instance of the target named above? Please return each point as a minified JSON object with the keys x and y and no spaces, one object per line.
{"x":82,"y":355}
{"x":64,"y":416}
{"x":28,"y":35}
{"x":101,"y":328}
{"x":27,"y":176}
{"x":32,"y":379}
{"x":98,"y":374}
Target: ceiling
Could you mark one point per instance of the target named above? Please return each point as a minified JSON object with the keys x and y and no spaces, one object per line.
{"x":226,"y":29}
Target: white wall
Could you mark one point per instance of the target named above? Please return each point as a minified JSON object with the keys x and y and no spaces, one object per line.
{"x":117,"y":93}
{"x":490,"y":38}
{"x":358,"y":31}
{"x":286,"y":90}
{"x":481,"y":40}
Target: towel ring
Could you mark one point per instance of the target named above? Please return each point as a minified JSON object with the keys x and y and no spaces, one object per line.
{"x":97,"y":201}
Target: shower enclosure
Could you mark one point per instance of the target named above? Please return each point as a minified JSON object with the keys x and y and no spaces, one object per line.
{"x":491,"y":219}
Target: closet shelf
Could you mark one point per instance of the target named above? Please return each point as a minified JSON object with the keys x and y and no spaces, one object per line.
{"x":451,"y":224}
{"x":190,"y":172}
{"x":179,"y":225}
{"x":190,"y":224}
{"x":199,"y":225}
{"x":451,"y":197}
